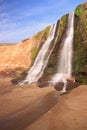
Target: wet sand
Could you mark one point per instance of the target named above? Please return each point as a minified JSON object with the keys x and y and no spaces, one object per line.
{"x":22,"y":118}
{"x":22,"y":105}
{"x":32,"y":108}
{"x":70,"y":113}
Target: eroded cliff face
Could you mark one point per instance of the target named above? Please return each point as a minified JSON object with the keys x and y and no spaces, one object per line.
{"x":79,"y":64}
{"x":16,"y":58}
{"x":80,"y":44}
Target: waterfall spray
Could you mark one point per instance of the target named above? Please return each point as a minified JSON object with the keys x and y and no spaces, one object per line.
{"x":64,"y":69}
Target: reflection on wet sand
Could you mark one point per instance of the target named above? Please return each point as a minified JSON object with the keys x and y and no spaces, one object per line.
{"x":20,"y":119}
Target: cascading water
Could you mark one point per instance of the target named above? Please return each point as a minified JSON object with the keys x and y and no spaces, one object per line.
{"x":42,"y":58}
{"x":65,"y":57}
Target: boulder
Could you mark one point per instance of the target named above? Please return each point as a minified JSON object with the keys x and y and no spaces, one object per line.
{"x":71,"y":79}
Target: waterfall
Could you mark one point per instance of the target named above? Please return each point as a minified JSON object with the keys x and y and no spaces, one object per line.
{"x":42,"y":58}
{"x":64,"y":69}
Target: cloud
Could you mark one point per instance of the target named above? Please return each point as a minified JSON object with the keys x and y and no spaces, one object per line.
{"x":36,"y":11}
{"x":21,"y":21}
{"x":29,"y":10}
{"x":6,"y":23}
{"x":2,"y":15}
{"x":21,"y":33}
{"x":12,"y":28}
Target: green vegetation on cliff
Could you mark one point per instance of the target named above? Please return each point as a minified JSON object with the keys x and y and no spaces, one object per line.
{"x":62,"y":26}
{"x":46,"y":31}
{"x":44,"y":34}
{"x":80,"y":44}
{"x":34,"y":53}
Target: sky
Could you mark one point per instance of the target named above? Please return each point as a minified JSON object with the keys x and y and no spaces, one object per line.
{"x":20,"y":19}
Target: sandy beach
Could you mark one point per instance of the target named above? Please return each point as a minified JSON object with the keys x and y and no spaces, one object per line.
{"x":32,"y":108}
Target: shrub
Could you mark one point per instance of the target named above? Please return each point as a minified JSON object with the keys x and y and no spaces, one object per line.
{"x":78,"y":11}
{"x":34,"y":53}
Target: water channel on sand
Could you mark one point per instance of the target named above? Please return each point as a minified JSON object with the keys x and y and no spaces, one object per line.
{"x":19,"y":120}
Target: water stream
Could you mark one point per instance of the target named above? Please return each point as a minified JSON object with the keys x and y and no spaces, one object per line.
{"x":42,"y":58}
{"x":64,"y":69}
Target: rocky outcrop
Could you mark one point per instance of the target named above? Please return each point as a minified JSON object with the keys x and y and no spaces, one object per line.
{"x":79,"y":65}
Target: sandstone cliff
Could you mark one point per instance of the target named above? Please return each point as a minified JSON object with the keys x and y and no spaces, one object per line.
{"x":16,"y":58}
